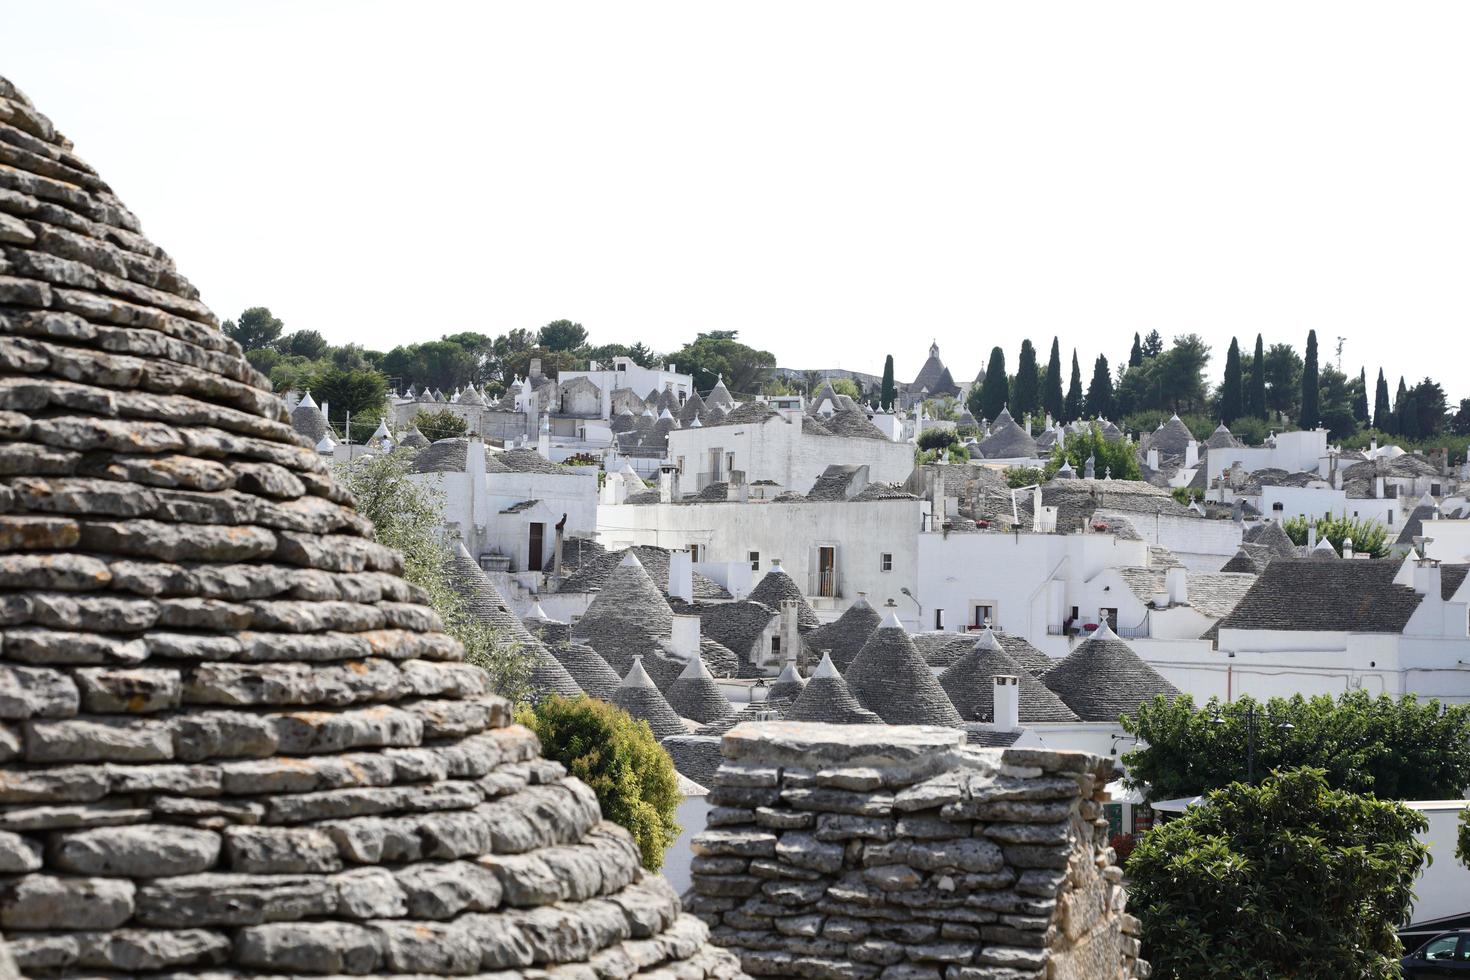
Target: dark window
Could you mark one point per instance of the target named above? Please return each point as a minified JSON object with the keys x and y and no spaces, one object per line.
{"x":886,"y":563}
{"x":755,"y":561}
{"x":536,"y":550}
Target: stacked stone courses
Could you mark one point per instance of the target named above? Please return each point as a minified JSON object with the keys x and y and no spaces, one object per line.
{"x":234,"y":741}
{"x":897,"y":852}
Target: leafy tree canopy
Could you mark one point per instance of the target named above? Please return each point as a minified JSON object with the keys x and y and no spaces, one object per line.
{"x":562,"y":335}
{"x":1367,"y":535}
{"x":303,"y":343}
{"x":256,"y":327}
{"x":1291,"y":878}
{"x":439,"y":424}
{"x":718,"y":353}
{"x":1117,"y":459}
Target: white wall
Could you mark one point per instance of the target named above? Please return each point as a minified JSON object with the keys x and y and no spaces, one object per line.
{"x":1451,"y":540}
{"x":1200,"y":544}
{"x":778,"y":450}
{"x":1295,"y":452}
{"x":1443,"y":888}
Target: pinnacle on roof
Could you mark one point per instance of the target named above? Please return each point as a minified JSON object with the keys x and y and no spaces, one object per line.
{"x":326,"y":444}
{"x":788,"y":684}
{"x":638,"y":696}
{"x":892,"y":680}
{"x":630,"y":617}
{"x":413,"y":439}
{"x":827,"y":698}
{"x":307,"y":400}
{"x":538,"y":613}
{"x":970,"y":684}
{"x":312,"y":673}
{"x":695,"y":695}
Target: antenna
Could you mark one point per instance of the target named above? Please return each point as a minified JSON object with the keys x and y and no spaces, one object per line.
{"x":1340,"y":342}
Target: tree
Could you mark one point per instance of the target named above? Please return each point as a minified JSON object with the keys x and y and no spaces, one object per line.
{"x":994,"y":393}
{"x":1430,"y":408}
{"x":1283,"y":379}
{"x":1335,"y":403}
{"x":1072,"y":407}
{"x":1100,"y":391}
{"x":256,"y":328}
{"x":408,"y":517}
{"x":718,"y":354}
{"x":440,"y":424}
{"x":619,"y":758}
{"x":1026,"y":392}
{"x":360,"y":392}
{"x":1382,"y":407}
{"x":1051,"y":385}
{"x":1257,"y":396}
{"x":561,"y":335}
{"x":941,"y":438}
{"x":846,"y":386}
{"x":1180,"y":375}
{"x":1135,"y":356}
{"x":1367,"y":535}
{"x":1401,"y":749}
{"x":309,"y":344}
{"x":1399,"y":398}
{"x":1460,"y":422}
{"x":641,"y":355}
{"x":1311,"y":411}
{"x":889,"y":392}
{"x":1153,"y":345}
{"x":1360,"y":398}
{"x":1232,"y":392}
{"x":442,"y":364}
{"x":1291,"y":878}
{"x":1115,"y":459}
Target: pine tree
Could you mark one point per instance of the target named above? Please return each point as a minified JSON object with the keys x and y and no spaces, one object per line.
{"x":1232,"y":392}
{"x":1258,"y":381}
{"x":1409,"y":417}
{"x":1072,"y":407}
{"x":1360,"y":398}
{"x":889,"y":392}
{"x":1026,"y":392}
{"x":992,"y":394}
{"x":1153,"y":344}
{"x":1051,"y":387}
{"x":1311,"y":393}
{"x":1382,"y":407}
{"x":1100,"y":391}
{"x":1135,"y":356}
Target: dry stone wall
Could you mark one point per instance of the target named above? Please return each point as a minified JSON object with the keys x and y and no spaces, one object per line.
{"x":234,"y":741}
{"x":837,"y":851}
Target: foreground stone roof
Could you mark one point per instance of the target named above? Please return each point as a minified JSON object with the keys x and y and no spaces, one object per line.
{"x":235,"y":740}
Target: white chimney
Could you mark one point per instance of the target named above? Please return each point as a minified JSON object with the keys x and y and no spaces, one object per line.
{"x":1427,"y":578}
{"x":1177,"y":582}
{"x":1007,"y":702}
{"x":668,"y":484}
{"x":1153,"y":459}
{"x":1347,"y":547}
{"x":1378,"y":487}
{"x":1191,"y":454}
{"x":1337,"y":478}
{"x":1311,"y":536}
{"x":681,"y":575}
{"x":684,"y":638}
{"x":790,"y":634}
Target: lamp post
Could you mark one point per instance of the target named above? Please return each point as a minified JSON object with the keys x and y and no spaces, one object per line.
{"x":1250,"y":737}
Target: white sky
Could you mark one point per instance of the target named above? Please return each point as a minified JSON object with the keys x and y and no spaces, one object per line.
{"x":837,"y":181}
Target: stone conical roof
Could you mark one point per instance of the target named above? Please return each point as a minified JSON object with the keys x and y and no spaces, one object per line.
{"x":1103,"y":678}
{"x":827,"y":698}
{"x":719,"y":397}
{"x":970,"y":684}
{"x":413,"y":439}
{"x":695,"y":695}
{"x":229,"y":694}
{"x":892,"y":680}
{"x":776,"y":585}
{"x":845,"y":635}
{"x":1007,"y":440}
{"x":630,"y":618}
{"x":692,"y":410}
{"x":1171,"y":438}
{"x":638,"y":697}
{"x":788,"y":684}
{"x":588,"y":669}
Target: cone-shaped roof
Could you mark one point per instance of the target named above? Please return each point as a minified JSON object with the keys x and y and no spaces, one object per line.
{"x":827,"y":698}
{"x":413,"y":439}
{"x":1102,"y":678}
{"x":891,"y":679}
{"x":845,"y":635}
{"x":588,"y":669}
{"x":693,"y":410}
{"x":1221,"y":438}
{"x":695,"y":695}
{"x":719,"y":396}
{"x":630,"y":618}
{"x":220,"y":659}
{"x":1007,"y":440}
{"x":638,"y":697}
{"x":1171,"y":438}
{"x":970,"y":684}
{"x":776,"y":585}
{"x":1019,"y":649}
{"x":788,"y":684}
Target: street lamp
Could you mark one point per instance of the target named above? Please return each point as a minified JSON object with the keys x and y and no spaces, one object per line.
{"x":1250,"y":736}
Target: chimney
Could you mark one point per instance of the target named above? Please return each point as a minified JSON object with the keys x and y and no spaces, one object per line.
{"x":1378,"y":487}
{"x":668,"y":484}
{"x":681,"y":575}
{"x":1347,"y":547}
{"x":790,"y":635}
{"x":543,"y":437}
{"x":1427,"y":578}
{"x":1153,"y":459}
{"x":1311,"y":536}
{"x":1373,"y":444}
{"x":1191,"y":453}
{"x":1337,"y":477}
{"x":684,"y":639}
{"x":1007,"y":711}
{"x":1177,"y":582}
{"x":561,"y":537}
{"x":535,"y":371}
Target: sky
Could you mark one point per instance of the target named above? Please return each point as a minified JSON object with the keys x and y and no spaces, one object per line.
{"x":835,"y":181}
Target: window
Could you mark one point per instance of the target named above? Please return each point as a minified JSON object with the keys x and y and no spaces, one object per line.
{"x":983,"y":614}
{"x":939,"y":619}
{"x":776,"y":646}
{"x":886,"y":562}
{"x":755,"y":561}
{"x":729,"y":462}
{"x":696,"y":552}
{"x":1112,"y":617}
{"x":1442,"y":948}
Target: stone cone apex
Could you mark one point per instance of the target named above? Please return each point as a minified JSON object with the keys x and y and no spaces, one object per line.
{"x":827,"y":698}
{"x":638,"y":696}
{"x":229,"y":695}
{"x":696,"y":696}
{"x":891,"y":679}
{"x":788,"y":684}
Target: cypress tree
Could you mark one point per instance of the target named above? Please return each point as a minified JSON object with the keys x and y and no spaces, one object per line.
{"x":993,"y":393}
{"x":1311,"y":394}
{"x":1360,"y":398}
{"x":1258,"y":381}
{"x":889,"y":392}
{"x":1409,"y":417}
{"x":1051,"y":388}
{"x":1135,"y":356}
{"x":1026,"y":392}
{"x":1072,"y":407}
{"x":1232,"y":392}
{"x":1382,"y":407}
{"x":1100,"y":391}
{"x":1400,"y":399}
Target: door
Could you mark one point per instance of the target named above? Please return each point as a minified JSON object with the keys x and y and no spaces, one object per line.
{"x":536,"y":547}
{"x":827,"y":571}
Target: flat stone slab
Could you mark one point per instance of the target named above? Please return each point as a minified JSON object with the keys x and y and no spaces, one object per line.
{"x":814,"y":745}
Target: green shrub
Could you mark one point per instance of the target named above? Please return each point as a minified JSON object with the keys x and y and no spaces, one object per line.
{"x":1369,"y":536}
{"x":1116,"y":459}
{"x":439,"y":424}
{"x":1024,"y":476}
{"x":938,"y":439}
{"x":1286,"y":879}
{"x":619,"y":758}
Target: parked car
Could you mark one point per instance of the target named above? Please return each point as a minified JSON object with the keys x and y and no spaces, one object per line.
{"x":1446,"y":955}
